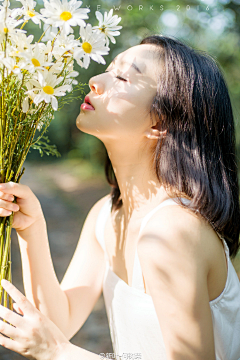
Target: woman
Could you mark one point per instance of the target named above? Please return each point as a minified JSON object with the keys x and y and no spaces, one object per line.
{"x":163,"y":112}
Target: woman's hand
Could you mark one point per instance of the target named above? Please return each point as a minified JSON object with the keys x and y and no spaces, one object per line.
{"x":32,"y":335}
{"x":27,"y":209}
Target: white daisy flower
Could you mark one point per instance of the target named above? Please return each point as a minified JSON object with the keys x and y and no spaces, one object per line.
{"x":29,"y":12}
{"x":25,"y":104}
{"x":65,"y":45}
{"x":13,"y":66}
{"x":69,"y":79}
{"x":64,"y":14}
{"x":8,"y":27}
{"x":57,"y":67}
{"x":46,"y":86}
{"x":35,"y":58}
{"x":107,"y":26}
{"x":21,"y":44}
{"x":6,"y":12}
{"x":50,"y":32}
{"x":92,"y":46}
{"x":5,"y":3}
{"x":47,"y":50}
{"x":30,"y":96}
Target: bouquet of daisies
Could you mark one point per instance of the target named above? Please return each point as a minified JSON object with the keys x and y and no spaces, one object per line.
{"x":34,"y":79}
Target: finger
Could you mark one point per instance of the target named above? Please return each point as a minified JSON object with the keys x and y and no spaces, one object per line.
{"x":17,"y":296}
{"x":10,"y":316}
{"x":10,"y":344}
{"x":19,"y":190}
{"x":8,"y":330}
{"x":17,"y":309}
{"x":6,"y":205}
{"x":4,"y":213}
{"x":8,"y":197}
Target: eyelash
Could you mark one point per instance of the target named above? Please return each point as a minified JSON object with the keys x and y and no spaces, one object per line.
{"x":119,"y":77}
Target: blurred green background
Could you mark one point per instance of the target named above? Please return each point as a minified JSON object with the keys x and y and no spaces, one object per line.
{"x":68,"y":186}
{"x":209,"y":25}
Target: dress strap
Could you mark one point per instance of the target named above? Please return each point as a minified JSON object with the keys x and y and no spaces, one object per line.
{"x":137,"y":279}
{"x":101,"y":222}
{"x":170,"y":201}
{"x":224,"y":244}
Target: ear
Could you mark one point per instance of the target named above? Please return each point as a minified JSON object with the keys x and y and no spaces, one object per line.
{"x":153,"y":133}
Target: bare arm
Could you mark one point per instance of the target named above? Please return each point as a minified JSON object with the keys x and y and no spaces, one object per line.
{"x":41,"y":285}
{"x":68,"y":305}
{"x":174,"y":267}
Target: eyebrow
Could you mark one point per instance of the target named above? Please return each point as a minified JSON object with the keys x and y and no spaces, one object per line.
{"x":133,"y":65}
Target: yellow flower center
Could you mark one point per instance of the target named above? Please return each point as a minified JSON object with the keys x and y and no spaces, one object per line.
{"x":87,"y":47}
{"x":35,"y":62}
{"x":65,"y":15}
{"x":66,"y":53}
{"x":5,"y":30}
{"x":15,"y":67}
{"x":103,"y":29}
{"x":30,"y":13}
{"x":48,"y":89}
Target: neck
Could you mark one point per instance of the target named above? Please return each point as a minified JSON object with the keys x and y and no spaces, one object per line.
{"x":138,"y":183}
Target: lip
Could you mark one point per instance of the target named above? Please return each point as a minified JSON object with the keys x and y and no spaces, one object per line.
{"x":87,"y":100}
{"x":85,"y":106}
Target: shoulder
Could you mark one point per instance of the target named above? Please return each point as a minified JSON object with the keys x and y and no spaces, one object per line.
{"x":175,"y":270}
{"x":175,"y":232}
{"x":96,"y":208}
{"x":92,"y":216}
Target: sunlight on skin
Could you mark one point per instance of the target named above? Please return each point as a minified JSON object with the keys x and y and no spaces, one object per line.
{"x":121,"y":120}
{"x":31,"y":334}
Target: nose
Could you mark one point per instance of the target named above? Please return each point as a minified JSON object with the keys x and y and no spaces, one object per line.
{"x":95,"y":85}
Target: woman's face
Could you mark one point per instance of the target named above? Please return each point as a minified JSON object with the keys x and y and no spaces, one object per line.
{"x":122,"y":106}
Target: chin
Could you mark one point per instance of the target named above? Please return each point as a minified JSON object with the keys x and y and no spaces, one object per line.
{"x":79,"y":123}
{"x":84,"y":125}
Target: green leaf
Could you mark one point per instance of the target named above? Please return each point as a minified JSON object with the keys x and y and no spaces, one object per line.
{"x":43,"y":147}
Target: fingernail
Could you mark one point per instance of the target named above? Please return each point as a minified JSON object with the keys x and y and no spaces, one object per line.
{"x":4,"y":282}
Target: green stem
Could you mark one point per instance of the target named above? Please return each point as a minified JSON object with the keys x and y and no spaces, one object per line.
{"x":53,"y":41}
{"x":6,"y":253}
{"x":13,"y":146}
{"x":2,"y":237}
{"x":1,"y":128}
{"x":29,"y":142}
{"x":21,"y":174}
{"x":23,"y":24}
{"x":44,"y":33}
{"x":5,"y":293}
{"x":9,"y":278}
{"x":17,"y":102}
{"x":64,"y":67}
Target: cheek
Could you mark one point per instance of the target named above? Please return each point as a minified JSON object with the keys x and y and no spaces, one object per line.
{"x":121,"y":114}
{"x":125,"y":118}
{"x":125,"y":105}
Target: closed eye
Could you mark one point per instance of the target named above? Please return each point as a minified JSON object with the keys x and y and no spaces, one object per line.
{"x":119,"y":77}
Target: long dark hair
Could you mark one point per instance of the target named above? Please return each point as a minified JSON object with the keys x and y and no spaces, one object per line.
{"x":197,"y":158}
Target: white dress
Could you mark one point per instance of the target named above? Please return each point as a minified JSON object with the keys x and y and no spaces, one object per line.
{"x":133,"y":322}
